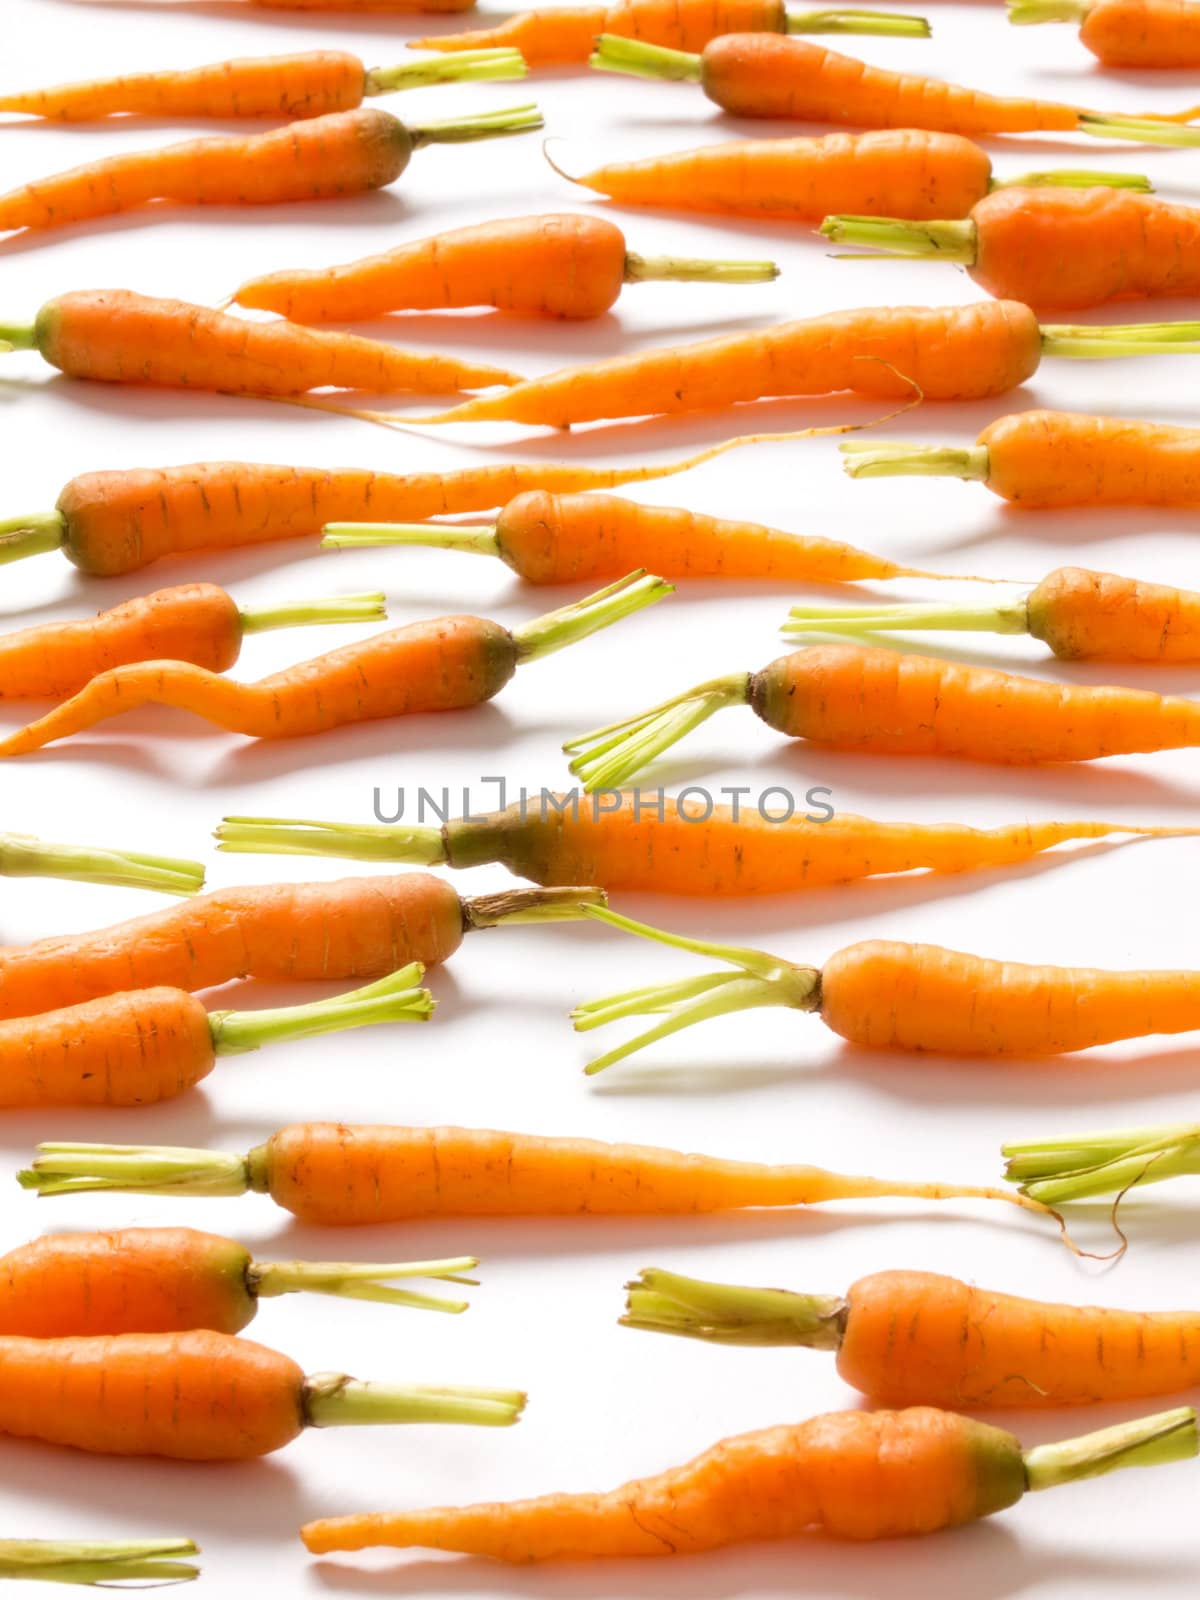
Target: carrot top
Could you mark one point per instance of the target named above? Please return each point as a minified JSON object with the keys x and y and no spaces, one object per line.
{"x":1079,"y":1166}
{"x":468,"y":66}
{"x":720,"y":1313}
{"x":100,"y":1562}
{"x":24,"y":856}
{"x":395,"y":998}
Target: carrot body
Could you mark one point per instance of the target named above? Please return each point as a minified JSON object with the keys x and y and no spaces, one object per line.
{"x":353,"y":928}
{"x":1098,"y":616}
{"x":1043,"y":459}
{"x":366,"y":7}
{"x":925,"y":1470}
{"x":1143,"y":33}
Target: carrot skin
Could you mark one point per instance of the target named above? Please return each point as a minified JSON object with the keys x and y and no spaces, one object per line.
{"x":1044,"y":459}
{"x":1098,"y":616}
{"x":1143,"y":33}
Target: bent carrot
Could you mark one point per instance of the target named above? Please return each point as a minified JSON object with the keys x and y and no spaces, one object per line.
{"x":104,"y":1563}
{"x":918,"y":1338}
{"x":670,"y":844}
{"x":445,"y":664}
{"x":911,"y":171}
{"x":1053,"y":249}
{"x":346,"y":153}
{"x":768,"y":75}
{"x":360,"y":928}
{"x":870,"y":699}
{"x":203,"y":1396}
{"x":195,"y":622}
{"x":1125,"y":33}
{"x":164,"y":1280}
{"x":550,"y":266}
{"x":848,"y":1475}
{"x":23,"y":856}
{"x":311,"y":83}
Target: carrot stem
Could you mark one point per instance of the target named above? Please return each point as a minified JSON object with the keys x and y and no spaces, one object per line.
{"x":606,"y":757}
{"x":310,"y":613}
{"x":894,"y":460}
{"x":23,"y":856}
{"x":31,"y":535}
{"x":483,"y":125}
{"x":1075,"y":1168}
{"x":869,"y":620}
{"x":392,"y":999}
{"x":1142,"y":130}
{"x":332,"y":1400}
{"x":513,"y":906}
{"x":477,"y":539}
{"x":558,"y":629}
{"x":1023,"y":13}
{"x":640,"y":60}
{"x":1147,"y":1442}
{"x":350,"y":1280}
{"x":889,"y":24}
{"x":692,"y":269}
{"x":18,"y":335}
{"x":135,"y":1169}
{"x":893,"y":237}
{"x":414,"y":844}
{"x":1079,"y":342}
{"x":1075,"y":178}
{"x":468,"y":66}
{"x":102,"y":1562}
{"x":721,"y":1313}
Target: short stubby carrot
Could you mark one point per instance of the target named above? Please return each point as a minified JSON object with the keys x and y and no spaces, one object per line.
{"x":548,"y":266}
{"x":882,"y":702}
{"x":145,"y":1045}
{"x":311,"y":83}
{"x":202,"y":1396}
{"x":848,"y":1475}
{"x":447,"y":664}
{"x":770,"y":75}
{"x":1053,"y":249}
{"x":196,"y":622}
{"x":909,"y":172}
{"x":1125,"y":33}
{"x":164,"y":1280}
{"x":323,"y":158}
{"x":647,"y":843}
{"x":362,"y":928}
{"x":922,"y":1339}
{"x":1039,"y":460}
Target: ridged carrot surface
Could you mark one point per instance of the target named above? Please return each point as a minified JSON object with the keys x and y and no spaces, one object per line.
{"x":1142,"y":33}
{"x":1042,"y":459}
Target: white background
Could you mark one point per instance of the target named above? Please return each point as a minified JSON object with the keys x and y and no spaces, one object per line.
{"x":605,"y":1403}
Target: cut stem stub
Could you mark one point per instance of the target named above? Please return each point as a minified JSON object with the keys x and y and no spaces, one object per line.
{"x":24,"y":856}
{"x":566,"y":626}
{"x":467,"y":66}
{"x":1085,"y":1165}
{"x":892,"y":459}
{"x":332,"y":1400}
{"x":356,"y":1280}
{"x":102,"y":1563}
{"x":396,"y":998}
{"x":867,"y":622}
{"x":721,"y":1313}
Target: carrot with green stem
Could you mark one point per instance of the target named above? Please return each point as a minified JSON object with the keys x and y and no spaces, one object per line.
{"x":1082,"y":1166}
{"x":445,"y":664}
{"x":548,"y":266}
{"x":1124,"y":33}
{"x":101,"y":1563}
{"x":849,"y":1475}
{"x":322,"y":158}
{"x":311,"y":83}
{"x":24,"y":856}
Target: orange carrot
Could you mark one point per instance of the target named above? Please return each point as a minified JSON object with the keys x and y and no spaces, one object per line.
{"x":769,"y":75}
{"x":648,"y":843}
{"x":203,"y":1396}
{"x":1125,"y":33}
{"x":1053,"y":249}
{"x":910,"y":171}
{"x":551,"y":266}
{"x":918,"y":1338}
{"x":360,"y":928}
{"x":445,"y":664}
{"x":104,"y":1563}
{"x":848,"y":1475}
{"x":313,"y":83}
{"x":195,"y":622}
{"x":23,"y":856}
{"x":165,"y":1280}
{"x":365,"y":7}
{"x":349,"y":152}
{"x":565,"y":35}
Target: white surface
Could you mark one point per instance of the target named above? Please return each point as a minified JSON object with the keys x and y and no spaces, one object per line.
{"x":606,"y":1403}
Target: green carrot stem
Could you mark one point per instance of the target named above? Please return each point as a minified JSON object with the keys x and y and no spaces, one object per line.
{"x":308,"y":613}
{"x":867,"y":620}
{"x":1023,"y":13}
{"x":607,"y":757}
{"x":371,"y":1281}
{"x":1141,"y":130}
{"x":469,"y":66}
{"x":100,"y":1562}
{"x":18,"y":335}
{"x":1075,"y":178}
{"x":513,"y":906}
{"x":1079,"y":1167}
{"x":639,"y":60}
{"x":558,"y":629}
{"x":1147,"y":1442}
{"x":667,"y":1302}
{"x":135,"y":1169}
{"x":889,"y":24}
{"x":1084,"y":343}
{"x":694,"y":269}
{"x":32,"y":535}
{"x":476,"y":539}
{"x":392,"y":999}
{"x":891,"y":460}
{"x":332,"y":1400}
{"x":23,"y":856}
{"x":892,"y":236}
{"x":483,"y":125}
{"x":414,"y":844}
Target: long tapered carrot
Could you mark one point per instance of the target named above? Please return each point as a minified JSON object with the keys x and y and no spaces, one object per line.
{"x":24,"y":856}
{"x":1041,"y":459}
{"x":919,"y":1338}
{"x":672,"y":844}
{"x":141,"y":1046}
{"x":360,"y":928}
{"x":311,"y":83}
{"x":548,"y":266}
{"x":769,"y":75}
{"x":445,"y":664}
{"x":911,"y":172}
{"x":203,"y":1396}
{"x":102,"y":1563}
{"x":848,"y":1475}
{"x":330,"y":157}
{"x":196,"y":622}
{"x":164,"y":1280}
{"x":876,"y":700}
{"x":1125,"y":33}
{"x":1053,"y":249}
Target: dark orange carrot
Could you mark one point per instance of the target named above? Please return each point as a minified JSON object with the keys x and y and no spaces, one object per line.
{"x":104,"y":1563}
{"x":1125,"y":33}
{"x":23,"y":856}
{"x":849,"y":1475}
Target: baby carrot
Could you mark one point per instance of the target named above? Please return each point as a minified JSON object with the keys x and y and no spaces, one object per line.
{"x":164,"y":1280}
{"x":1125,"y":33}
{"x":102,"y":1563}
{"x":1080,"y":1166}
{"x":23,"y":856}
{"x":566,"y":35}
{"x":770,"y":75}
{"x":360,"y":928}
{"x":551,"y":266}
{"x":203,"y":1396}
{"x":312,"y":83}
{"x":848,"y":1475}
{"x":141,"y":1046}
{"x":911,"y":171}
{"x":1041,"y":459}
{"x":871,"y":699}
{"x":195,"y":622}
{"x":445,"y":664}
{"x":1052,"y":248}
{"x":668,"y":844}
{"x":921,"y":1339}
{"x":330,"y":157}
